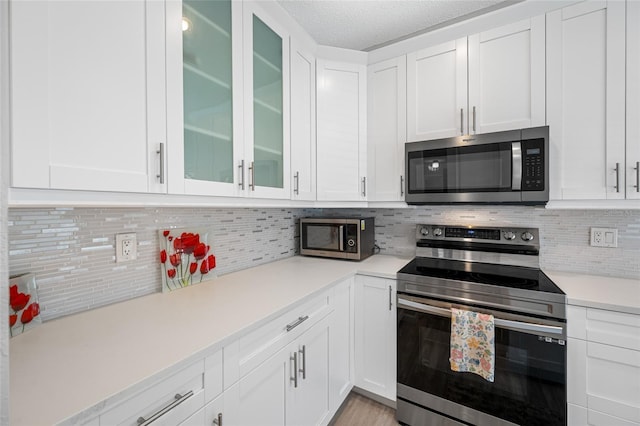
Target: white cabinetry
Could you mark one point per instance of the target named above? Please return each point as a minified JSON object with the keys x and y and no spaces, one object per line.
{"x":341,"y":131}
{"x":341,"y":344}
{"x":303,"y":122}
{"x":375,"y":335}
{"x":486,"y":82}
{"x":387,"y":129}
{"x":632,"y":180}
{"x":603,"y":371}
{"x":586,"y":98}
{"x":87,"y":95}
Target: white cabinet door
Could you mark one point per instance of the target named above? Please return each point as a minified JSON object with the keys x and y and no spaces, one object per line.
{"x":507,"y":77}
{"x":88,"y":95}
{"x":375,"y":335}
{"x":387,"y":130}
{"x":266,"y":103}
{"x":204,"y":90}
{"x":437,"y":91}
{"x":586,"y":100}
{"x":341,"y":138}
{"x":303,"y":123}
{"x":308,"y":396}
{"x":341,"y":344}
{"x":633,"y":101}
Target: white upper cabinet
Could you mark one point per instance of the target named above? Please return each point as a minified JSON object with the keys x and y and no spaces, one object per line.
{"x":204,"y":84}
{"x":507,"y":77}
{"x":437,"y":91}
{"x":633,"y":101}
{"x":341,"y":137}
{"x":303,"y":122}
{"x":586,"y":101}
{"x":387,"y":130}
{"x":87,"y":95}
{"x":486,"y":82}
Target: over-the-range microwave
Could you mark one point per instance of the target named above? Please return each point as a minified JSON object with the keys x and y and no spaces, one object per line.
{"x":340,"y":238}
{"x":509,"y":167}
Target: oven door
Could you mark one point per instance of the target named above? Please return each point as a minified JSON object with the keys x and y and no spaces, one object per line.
{"x":530,"y":367}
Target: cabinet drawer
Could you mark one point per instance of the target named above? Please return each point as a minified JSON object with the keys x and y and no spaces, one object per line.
{"x":607,"y":327}
{"x":581,"y":416}
{"x":254,"y":348}
{"x":162,"y":397}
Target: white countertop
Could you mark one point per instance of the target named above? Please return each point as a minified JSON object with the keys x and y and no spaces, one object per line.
{"x":614,"y":294}
{"x":78,"y":362}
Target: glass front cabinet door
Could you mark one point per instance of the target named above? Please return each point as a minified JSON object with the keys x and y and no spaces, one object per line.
{"x":227,"y":104}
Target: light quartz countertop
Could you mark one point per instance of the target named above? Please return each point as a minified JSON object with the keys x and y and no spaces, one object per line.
{"x":81,"y":362}
{"x":78,"y":363}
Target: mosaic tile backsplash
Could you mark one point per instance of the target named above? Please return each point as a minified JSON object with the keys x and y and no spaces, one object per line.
{"x":72,"y":250}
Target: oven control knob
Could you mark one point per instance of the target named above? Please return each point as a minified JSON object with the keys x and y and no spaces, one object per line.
{"x":424,"y":231}
{"x":351,"y":242}
{"x":437,"y":232}
{"x":509,"y":235}
{"x":527,"y":236}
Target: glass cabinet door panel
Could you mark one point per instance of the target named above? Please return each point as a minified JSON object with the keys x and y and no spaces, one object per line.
{"x":207,"y":86}
{"x":267,"y":106}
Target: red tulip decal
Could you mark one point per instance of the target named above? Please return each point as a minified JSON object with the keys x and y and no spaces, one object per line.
{"x":30,"y":313}
{"x":23,"y":312}
{"x":12,"y":320}
{"x":19,"y":301}
{"x":187,"y":255}
{"x":13,"y":291}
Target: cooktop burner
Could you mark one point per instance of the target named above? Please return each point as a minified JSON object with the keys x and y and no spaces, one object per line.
{"x":498,"y":275}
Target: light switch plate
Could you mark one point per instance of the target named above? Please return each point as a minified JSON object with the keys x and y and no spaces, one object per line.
{"x":604,"y":237}
{"x":126,"y":247}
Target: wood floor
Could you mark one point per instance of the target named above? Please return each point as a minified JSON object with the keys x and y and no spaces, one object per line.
{"x":359,"y":410}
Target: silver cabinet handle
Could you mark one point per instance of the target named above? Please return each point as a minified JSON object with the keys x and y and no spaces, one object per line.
{"x":160,"y":153}
{"x":218,"y":421}
{"x":401,"y":185}
{"x":241,"y":167}
{"x":390,"y":303}
{"x":617,"y":169}
{"x":474,"y":119}
{"x":294,"y":379}
{"x":364,"y":186}
{"x":637,"y":169}
{"x":296,"y":180}
{"x":461,"y":121}
{"x":252,"y":175}
{"x":178,"y":399}
{"x":303,"y":355}
{"x":296,"y":323}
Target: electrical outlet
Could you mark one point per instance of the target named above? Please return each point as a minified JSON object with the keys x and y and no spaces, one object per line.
{"x":126,"y":247}
{"x":604,"y":237}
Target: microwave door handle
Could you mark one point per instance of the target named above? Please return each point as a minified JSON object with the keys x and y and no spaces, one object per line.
{"x":341,"y":237}
{"x":516,"y":166}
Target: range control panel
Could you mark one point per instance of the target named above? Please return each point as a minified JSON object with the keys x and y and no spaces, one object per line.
{"x":496,"y":235}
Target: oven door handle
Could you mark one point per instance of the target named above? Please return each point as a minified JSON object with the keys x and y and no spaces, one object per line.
{"x":525,"y":327}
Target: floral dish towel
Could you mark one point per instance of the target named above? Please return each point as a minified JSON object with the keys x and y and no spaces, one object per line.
{"x":472,"y":343}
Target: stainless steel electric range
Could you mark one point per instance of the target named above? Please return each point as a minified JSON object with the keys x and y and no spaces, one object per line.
{"x":487,"y":270}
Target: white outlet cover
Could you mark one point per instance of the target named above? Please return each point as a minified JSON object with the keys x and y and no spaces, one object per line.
{"x":126,"y":247}
{"x":604,"y":237}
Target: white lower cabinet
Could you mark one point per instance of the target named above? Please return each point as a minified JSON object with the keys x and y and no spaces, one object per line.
{"x":375,"y":335}
{"x":341,"y":344}
{"x":603,"y":367}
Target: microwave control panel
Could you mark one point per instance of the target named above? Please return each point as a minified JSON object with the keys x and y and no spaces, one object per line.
{"x":533,"y":169}
{"x":351,"y":238}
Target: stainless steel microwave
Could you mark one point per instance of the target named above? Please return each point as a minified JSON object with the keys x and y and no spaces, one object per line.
{"x":509,"y":167}
{"x":340,"y":238}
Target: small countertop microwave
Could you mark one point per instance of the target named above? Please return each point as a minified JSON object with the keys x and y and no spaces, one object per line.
{"x":509,"y":167}
{"x":340,"y":238}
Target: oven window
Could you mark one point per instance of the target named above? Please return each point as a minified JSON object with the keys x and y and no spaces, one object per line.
{"x":480,"y":168}
{"x":530,"y":374}
{"x":321,"y":237}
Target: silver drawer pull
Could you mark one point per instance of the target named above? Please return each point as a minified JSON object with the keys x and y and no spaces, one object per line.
{"x":218,"y":421}
{"x":297,"y":322}
{"x":178,"y":399}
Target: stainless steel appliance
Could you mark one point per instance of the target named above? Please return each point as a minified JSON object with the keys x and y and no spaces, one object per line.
{"x":340,"y":238}
{"x":487,"y":270}
{"x":504,"y":167}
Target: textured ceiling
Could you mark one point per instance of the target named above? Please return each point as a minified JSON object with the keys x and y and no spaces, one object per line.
{"x":367,"y":24}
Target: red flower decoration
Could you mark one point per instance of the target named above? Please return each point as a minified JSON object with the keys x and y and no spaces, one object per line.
{"x":175,"y":259}
{"x":200,"y":251}
{"x":19,"y":301}
{"x":166,"y":233}
{"x":171,"y":273}
{"x":163,"y":256}
{"x":170,"y":238}
{"x":30,"y":313}
{"x":186,"y":243}
{"x":12,"y":320}
{"x":13,"y":291}
{"x":193,"y":268}
{"x":208,"y":264}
